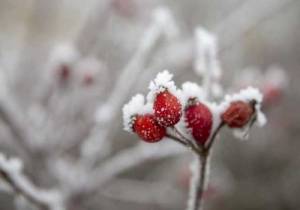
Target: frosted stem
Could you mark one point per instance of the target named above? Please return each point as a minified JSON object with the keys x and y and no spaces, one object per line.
{"x":198,"y":183}
{"x":11,"y":172}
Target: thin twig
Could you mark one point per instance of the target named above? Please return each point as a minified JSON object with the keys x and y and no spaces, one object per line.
{"x":197,"y":149}
{"x":213,"y":137}
{"x":176,"y":139}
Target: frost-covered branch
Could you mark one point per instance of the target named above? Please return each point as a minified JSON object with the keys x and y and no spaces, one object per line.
{"x":134,"y":191}
{"x":162,"y":24}
{"x":132,"y":157}
{"x":11,"y":172}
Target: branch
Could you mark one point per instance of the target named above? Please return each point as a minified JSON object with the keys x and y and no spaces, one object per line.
{"x":107,"y":113}
{"x":130,"y":158}
{"x":198,"y":182}
{"x":12,"y":116}
{"x":11,"y":172}
{"x":134,"y":191}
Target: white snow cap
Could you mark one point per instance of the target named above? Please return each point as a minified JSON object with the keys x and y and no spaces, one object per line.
{"x":164,"y":18}
{"x":246,"y":95}
{"x":12,"y":165}
{"x":190,"y":90}
{"x":64,"y":53}
{"x":162,"y":82}
{"x":135,"y":106}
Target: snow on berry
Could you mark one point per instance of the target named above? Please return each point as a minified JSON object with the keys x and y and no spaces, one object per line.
{"x":147,"y":128}
{"x":200,"y":120}
{"x":136,"y":106}
{"x":237,"y":114}
{"x":189,"y":91}
{"x":167,"y":109}
{"x":247,"y":95}
{"x":162,"y":82}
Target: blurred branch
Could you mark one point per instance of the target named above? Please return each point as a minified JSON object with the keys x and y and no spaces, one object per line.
{"x":11,"y":172}
{"x":134,"y":191}
{"x":177,"y":56}
{"x":162,"y":21}
{"x":89,"y":31}
{"x":12,"y":116}
{"x":129,"y":158}
{"x":246,"y":18}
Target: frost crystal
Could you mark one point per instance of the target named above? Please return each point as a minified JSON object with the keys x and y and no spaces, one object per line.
{"x":163,"y":81}
{"x":191,"y":90}
{"x":135,"y":106}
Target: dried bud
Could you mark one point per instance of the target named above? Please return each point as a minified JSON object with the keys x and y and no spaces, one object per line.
{"x":238,"y":114}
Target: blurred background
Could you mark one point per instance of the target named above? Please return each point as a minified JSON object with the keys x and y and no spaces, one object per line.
{"x":68,"y":66}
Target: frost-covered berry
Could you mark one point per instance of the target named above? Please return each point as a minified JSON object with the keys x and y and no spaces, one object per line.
{"x":146,"y":127}
{"x":167,"y":109}
{"x":200,"y":120}
{"x":238,"y":114}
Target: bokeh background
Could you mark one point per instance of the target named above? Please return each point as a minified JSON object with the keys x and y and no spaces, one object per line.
{"x":261,"y":173}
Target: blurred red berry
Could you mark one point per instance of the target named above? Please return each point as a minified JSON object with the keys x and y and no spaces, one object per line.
{"x":64,"y":72}
{"x":199,"y":119}
{"x":167,"y":109}
{"x":125,"y":8}
{"x":238,"y":114}
{"x":272,"y":93}
{"x":88,"y":79}
{"x":148,"y":129}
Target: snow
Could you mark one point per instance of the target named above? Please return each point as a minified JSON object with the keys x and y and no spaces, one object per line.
{"x":162,"y":82}
{"x":13,"y":169}
{"x":12,"y":165}
{"x":134,"y":107}
{"x":163,"y":16}
{"x":190,"y":90}
{"x":206,"y":53}
{"x":65,"y":53}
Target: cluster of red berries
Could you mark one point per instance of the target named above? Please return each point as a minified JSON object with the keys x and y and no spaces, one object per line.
{"x":198,"y":117}
{"x":167,"y":112}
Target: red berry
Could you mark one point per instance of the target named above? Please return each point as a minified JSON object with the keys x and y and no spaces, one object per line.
{"x":64,"y":72}
{"x":272,"y":94}
{"x":199,"y":119}
{"x":238,"y":114}
{"x":148,"y":129}
{"x":88,"y":79}
{"x":167,"y":109}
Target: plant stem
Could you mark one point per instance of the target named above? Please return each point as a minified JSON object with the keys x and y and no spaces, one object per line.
{"x":196,"y":194}
{"x":198,"y":182}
